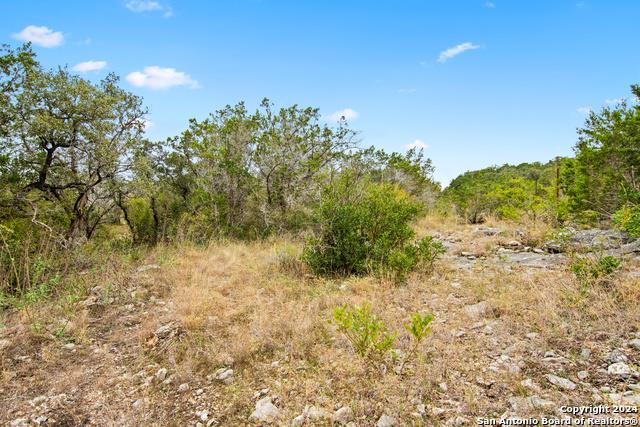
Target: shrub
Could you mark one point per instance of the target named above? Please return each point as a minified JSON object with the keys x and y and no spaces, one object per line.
{"x":404,"y":260}
{"x":627,"y":219}
{"x":588,"y":270}
{"x":366,"y":229}
{"x":367,"y":334}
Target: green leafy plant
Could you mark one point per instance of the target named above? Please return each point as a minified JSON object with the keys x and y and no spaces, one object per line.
{"x":367,"y":334}
{"x":627,"y":219}
{"x":404,"y":260}
{"x":418,"y":327}
{"x":592,"y":269}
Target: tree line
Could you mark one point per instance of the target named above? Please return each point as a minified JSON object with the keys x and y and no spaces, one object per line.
{"x":74,"y":157}
{"x":598,"y":185}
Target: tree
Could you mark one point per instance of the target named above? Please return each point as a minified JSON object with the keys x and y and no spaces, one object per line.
{"x":607,"y":163}
{"x":71,"y":139}
{"x":292,"y":149}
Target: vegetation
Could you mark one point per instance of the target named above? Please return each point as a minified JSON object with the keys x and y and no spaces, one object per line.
{"x":255,"y":227}
{"x":75,"y":165}
{"x":590,"y":269}
{"x":588,"y":189}
{"x":367,"y":334}
{"x":366,"y":228}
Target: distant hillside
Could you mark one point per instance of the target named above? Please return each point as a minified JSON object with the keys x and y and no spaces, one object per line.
{"x":509,"y":192}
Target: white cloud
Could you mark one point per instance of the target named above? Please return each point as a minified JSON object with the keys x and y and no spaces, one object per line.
{"x":490,"y":5}
{"x":143,"y":5}
{"x":407,"y":90}
{"x":584,"y":110}
{"x":456,"y":50}
{"x":614,"y":101}
{"x":41,"y":36}
{"x":158,"y":78}
{"x":140,"y":6}
{"x":85,"y":67}
{"x":347,"y":114}
{"x":418,"y":144}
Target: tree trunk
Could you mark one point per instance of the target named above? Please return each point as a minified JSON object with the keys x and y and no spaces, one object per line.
{"x":156,"y":220}
{"x":77,"y":233}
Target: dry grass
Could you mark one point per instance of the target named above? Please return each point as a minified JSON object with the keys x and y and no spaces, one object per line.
{"x":252,"y":307}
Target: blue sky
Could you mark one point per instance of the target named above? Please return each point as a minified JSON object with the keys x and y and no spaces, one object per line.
{"x":479,"y":83}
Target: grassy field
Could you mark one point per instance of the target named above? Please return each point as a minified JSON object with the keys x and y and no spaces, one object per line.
{"x":150,"y":340}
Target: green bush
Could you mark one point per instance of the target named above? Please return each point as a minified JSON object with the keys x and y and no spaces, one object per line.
{"x":365,"y":229}
{"x":589,"y":270}
{"x":627,"y":219}
{"x":367,"y":334}
{"x":403,"y":261}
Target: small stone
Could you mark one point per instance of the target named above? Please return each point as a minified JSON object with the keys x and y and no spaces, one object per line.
{"x":436,"y":412}
{"x":421,"y":408}
{"x":386,"y":421}
{"x":635,"y":343}
{"x":261,"y":393}
{"x":224,"y":375}
{"x":561,"y":382}
{"x":19,"y":422}
{"x":343,"y":415}
{"x":37,"y":401}
{"x":183,"y":388}
{"x":298,"y":421}
{"x":585,"y":353}
{"x":315,"y":414}
{"x":528,"y":383}
{"x":203,"y":415}
{"x":532,"y":335}
{"x":161,"y":375}
{"x":583,"y":375}
{"x":617,"y":356}
{"x":265,"y":411}
{"x":443,"y":387}
{"x":147,"y":267}
{"x":524,"y":405}
{"x":621,"y":369}
{"x":477,"y":310}
{"x":39,"y":419}
{"x":69,"y":346}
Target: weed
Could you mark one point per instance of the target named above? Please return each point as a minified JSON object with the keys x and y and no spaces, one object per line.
{"x":367,"y":334}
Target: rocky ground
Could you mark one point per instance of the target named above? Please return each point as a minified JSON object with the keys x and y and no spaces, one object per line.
{"x":240,"y":334}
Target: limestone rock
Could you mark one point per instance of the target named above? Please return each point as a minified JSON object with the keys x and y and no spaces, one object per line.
{"x":265,"y":411}
{"x":386,"y":421}
{"x":561,"y":382}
